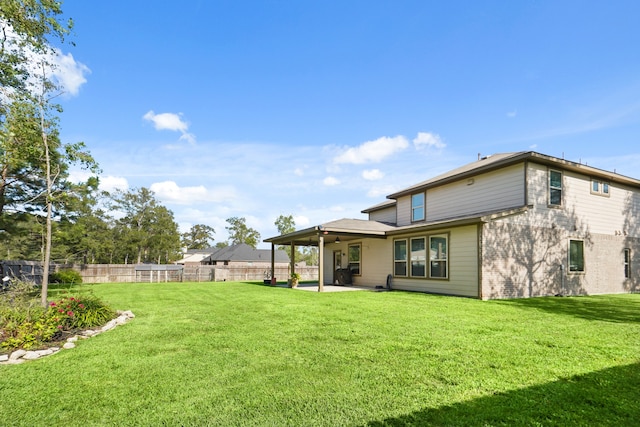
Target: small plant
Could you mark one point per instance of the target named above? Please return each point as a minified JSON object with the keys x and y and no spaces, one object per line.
{"x":67,"y":276}
{"x":29,"y":325}
{"x":295,"y":279}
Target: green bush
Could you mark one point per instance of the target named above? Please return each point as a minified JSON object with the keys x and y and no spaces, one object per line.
{"x":29,"y":325}
{"x":66,"y":276}
{"x":80,"y":312}
{"x":20,"y":293}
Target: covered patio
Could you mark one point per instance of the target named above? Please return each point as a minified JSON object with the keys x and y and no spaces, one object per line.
{"x":326,"y":235}
{"x":313,"y":286}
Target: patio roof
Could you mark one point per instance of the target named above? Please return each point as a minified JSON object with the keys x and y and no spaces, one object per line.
{"x":345,"y":229}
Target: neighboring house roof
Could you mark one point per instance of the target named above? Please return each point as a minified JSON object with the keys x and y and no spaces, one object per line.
{"x":207,"y":251}
{"x":245,"y":253}
{"x":196,"y":257}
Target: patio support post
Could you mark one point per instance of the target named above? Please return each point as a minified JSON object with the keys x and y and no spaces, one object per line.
{"x":273,"y":262}
{"x":320,"y":263}
{"x":293,"y":258}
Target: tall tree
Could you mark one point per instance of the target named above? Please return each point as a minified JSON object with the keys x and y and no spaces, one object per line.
{"x":163,"y":238}
{"x":84,"y":231}
{"x":199,"y":236}
{"x":56,"y":160}
{"x":147,"y":230}
{"x":27,"y":29}
{"x":137,"y":206}
{"x":285,"y":224}
{"x":239,"y":232}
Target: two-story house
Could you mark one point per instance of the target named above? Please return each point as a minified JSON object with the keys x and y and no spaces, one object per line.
{"x":509,"y":225}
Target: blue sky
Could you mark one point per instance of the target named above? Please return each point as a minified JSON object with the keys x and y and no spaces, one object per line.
{"x":319,"y":109}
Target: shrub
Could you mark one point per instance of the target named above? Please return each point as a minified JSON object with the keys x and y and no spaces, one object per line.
{"x":29,"y":325}
{"x":80,"y":312}
{"x":19,"y":293}
{"x":67,"y":276}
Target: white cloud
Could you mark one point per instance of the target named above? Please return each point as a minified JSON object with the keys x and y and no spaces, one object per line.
{"x":298,"y":172}
{"x":301,"y":221}
{"x":69,"y":73}
{"x":111,"y":183}
{"x":512,"y":114}
{"x":172,"y":122}
{"x":330,"y":181}
{"x":166,"y":121}
{"x":372,"y":174}
{"x":380,"y":191}
{"x":428,"y":140}
{"x":373,"y":151}
{"x":170,"y":192}
{"x":188,"y":137}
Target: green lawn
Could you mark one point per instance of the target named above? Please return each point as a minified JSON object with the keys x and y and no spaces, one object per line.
{"x":233,"y":354}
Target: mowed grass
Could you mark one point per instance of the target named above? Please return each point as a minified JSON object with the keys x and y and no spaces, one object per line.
{"x":243,"y":354}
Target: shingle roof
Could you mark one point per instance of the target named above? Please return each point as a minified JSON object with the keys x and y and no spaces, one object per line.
{"x":244,"y":252}
{"x":500,"y":160}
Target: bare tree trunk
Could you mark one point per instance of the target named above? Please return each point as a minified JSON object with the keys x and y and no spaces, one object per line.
{"x":49,"y":201}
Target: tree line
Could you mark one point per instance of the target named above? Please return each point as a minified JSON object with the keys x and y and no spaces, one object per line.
{"x":122,"y":227}
{"x":43,"y":214}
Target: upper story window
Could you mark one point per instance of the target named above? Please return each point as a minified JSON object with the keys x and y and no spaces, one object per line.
{"x":417,"y":207}
{"x":555,"y":188}
{"x":599,"y":187}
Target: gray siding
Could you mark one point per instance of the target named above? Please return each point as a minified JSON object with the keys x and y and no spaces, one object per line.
{"x":387,"y":215}
{"x":617,"y":214}
{"x":491,"y":191}
{"x":502,"y":189}
{"x":377,"y":263}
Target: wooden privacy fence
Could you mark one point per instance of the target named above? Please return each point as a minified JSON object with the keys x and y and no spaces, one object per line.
{"x":154,"y":273}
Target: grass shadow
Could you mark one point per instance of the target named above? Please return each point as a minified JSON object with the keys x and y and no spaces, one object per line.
{"x":604,"y":398}
{"x":608,"y":308}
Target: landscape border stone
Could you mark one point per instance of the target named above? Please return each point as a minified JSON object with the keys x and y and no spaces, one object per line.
{"x":21,"y":355}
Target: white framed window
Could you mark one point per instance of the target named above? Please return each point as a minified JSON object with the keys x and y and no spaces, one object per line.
{"x":354,"y":254}
{"x":627,"y":263}
{"x":576,"y":256}
{"x":438,"y":256}
{"x":400,"y":257}
{"x":417,"y":207}
{"x":555,"y":188}
{"x":418,"y":257}
{"x":601,"y":188}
